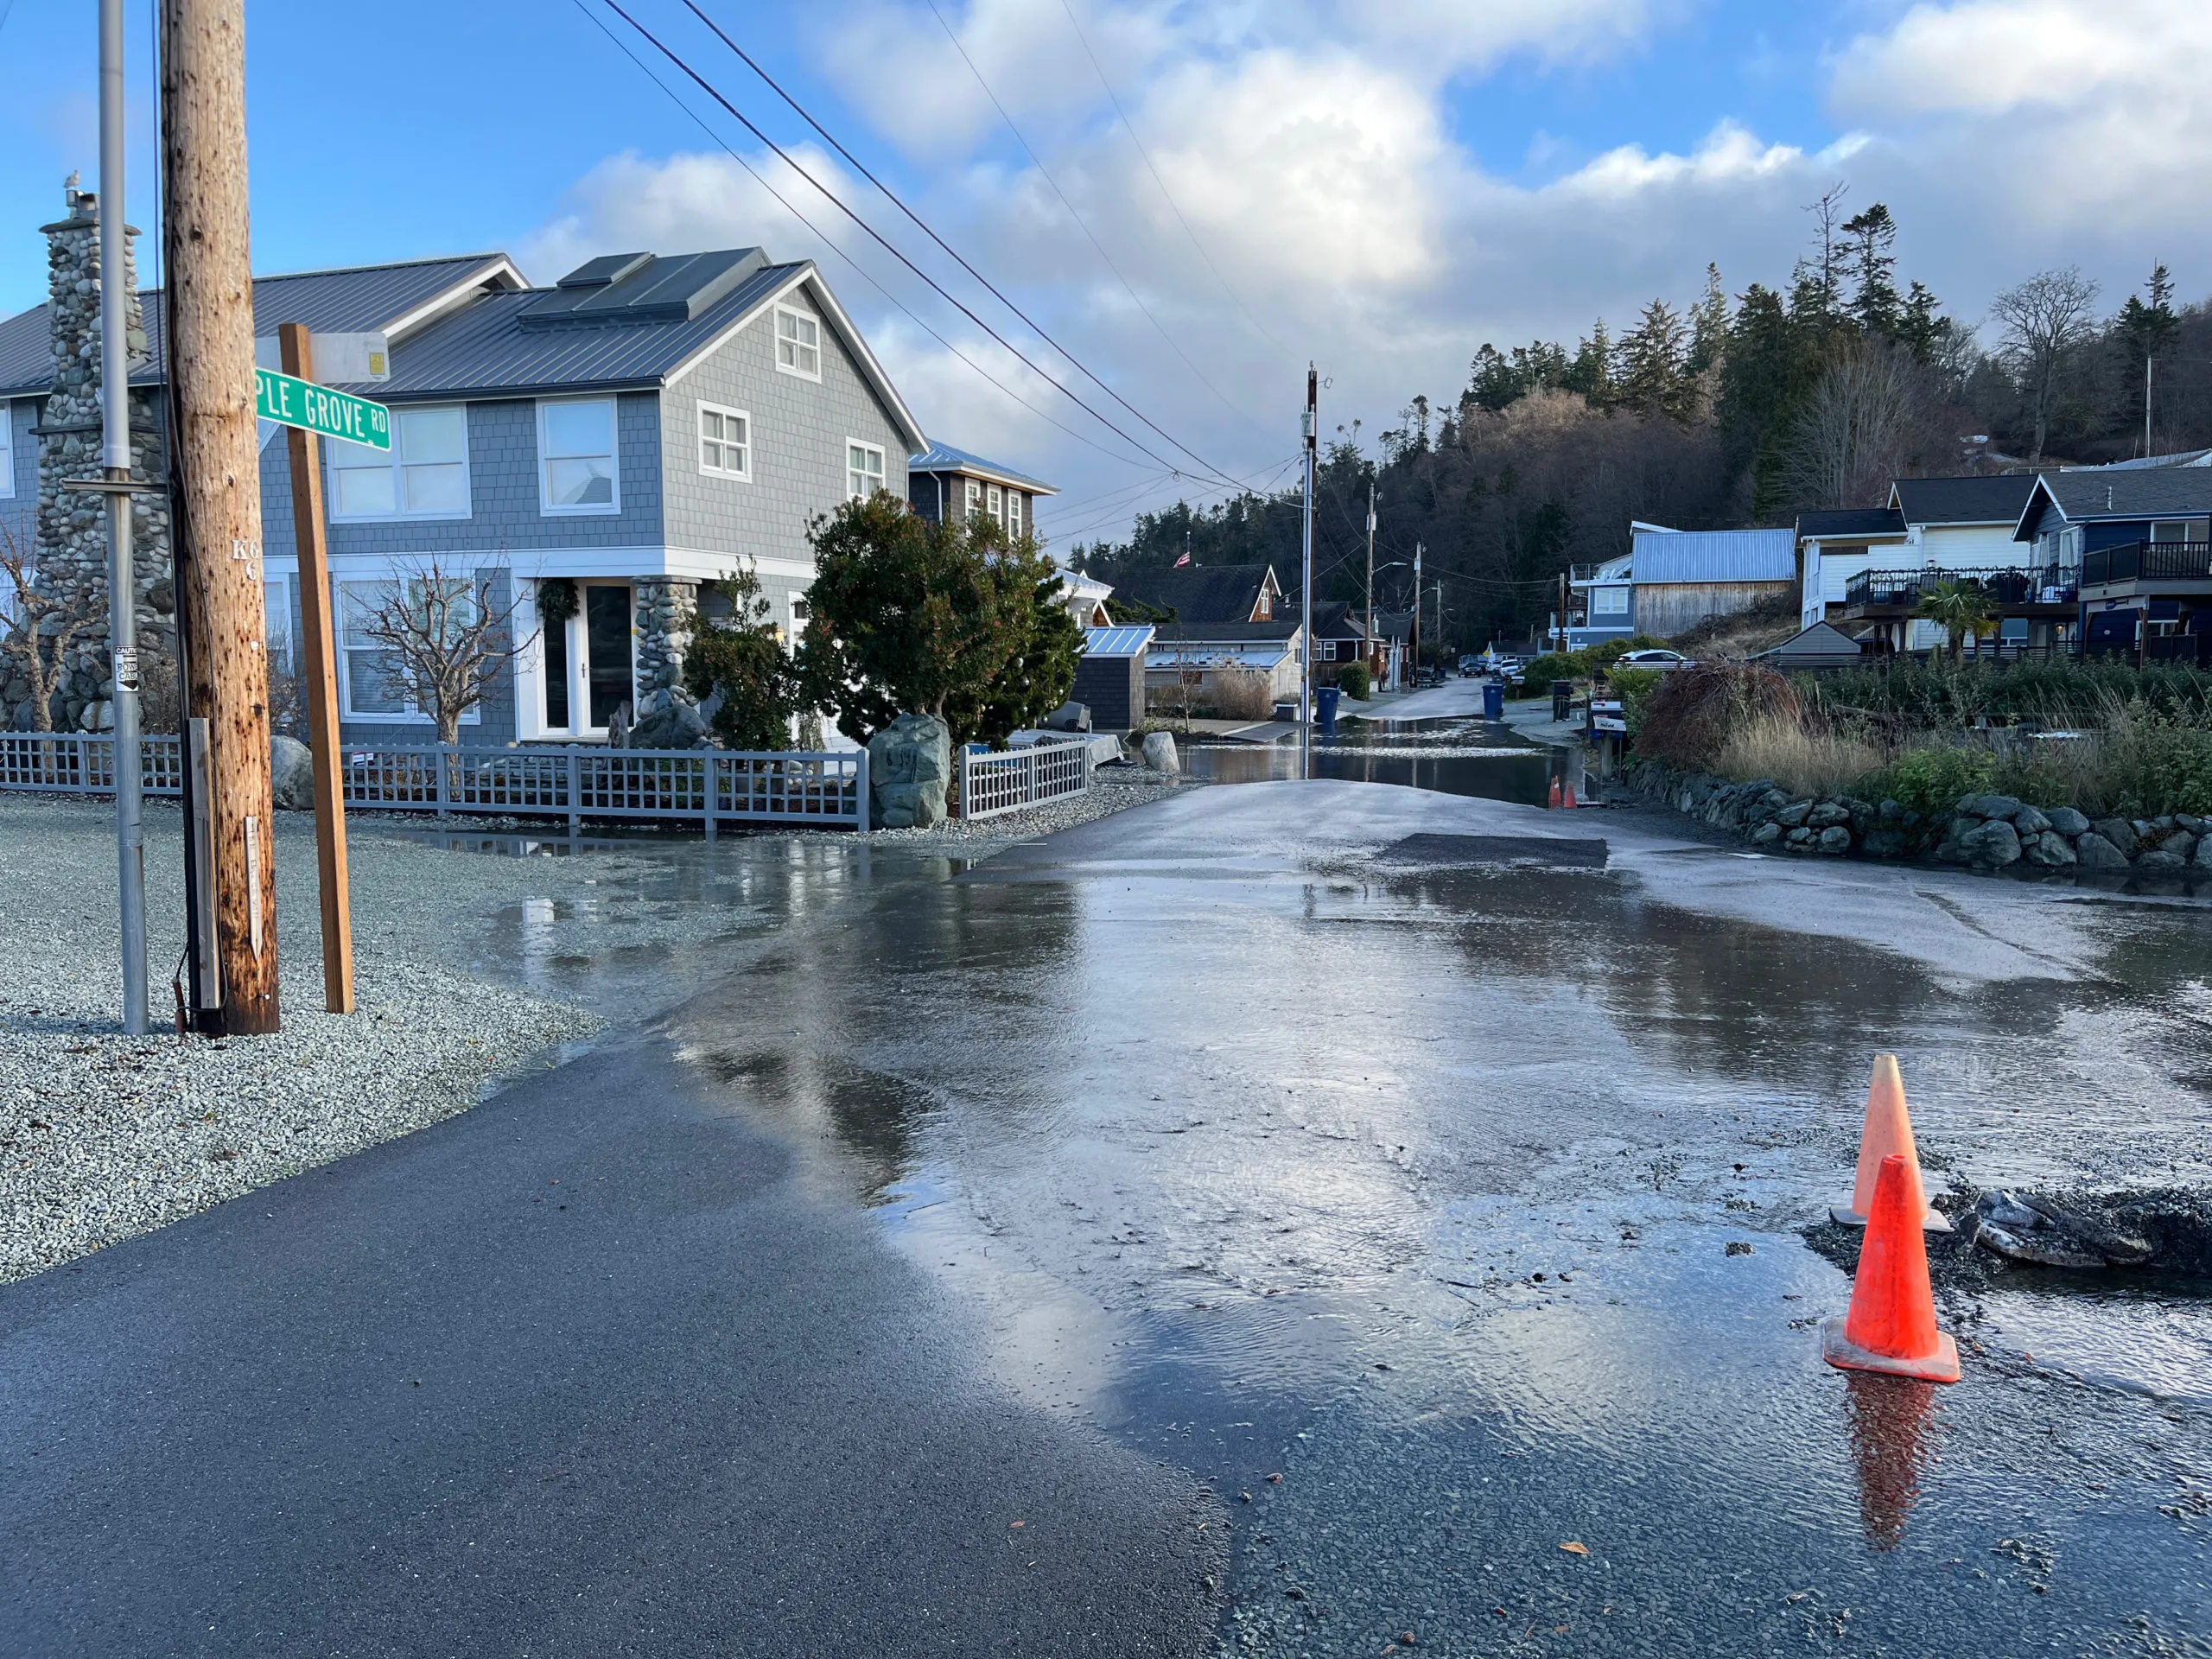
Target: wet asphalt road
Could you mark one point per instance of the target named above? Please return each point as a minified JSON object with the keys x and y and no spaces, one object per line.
{"x":1098,"y":1185}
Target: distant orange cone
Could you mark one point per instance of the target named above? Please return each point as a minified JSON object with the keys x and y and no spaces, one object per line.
{"x":1889,"y":1128}
{"x":1555,"y":795}
{"x":1892,"y":1325}
{"x":1572,"y":804}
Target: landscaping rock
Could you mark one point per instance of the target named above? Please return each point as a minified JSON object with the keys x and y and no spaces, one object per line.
{"x":2203,"y":862}
{"x":1159,"y":754}
{"x":2068,"y":822}
{"x":1835,"y":841}
{"x":1885,"y":842}
{"x":909,"y":764}
{"x":1766,"y":835}
{"x":2181,"y":843}
{"x":2190,"y":821}
{"x":2028,"y":821}
{"x":1826,"y":816}
{"x":2050,"y":850}
{"x":676,"y":724}
{"x":291,"y":774}
{"x":2096,"y":853}
{"x":1992,"y":844}
{"x":2120,"y":832}
{"x":1793,"y":817}
{"x":1800,"y":840}
{"x":2158,"y":861}
{"x":1891,"y":811}
{"x":1993,"y":807}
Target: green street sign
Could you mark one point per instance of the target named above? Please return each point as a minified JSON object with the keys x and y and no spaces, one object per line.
{"x":292,"y":401}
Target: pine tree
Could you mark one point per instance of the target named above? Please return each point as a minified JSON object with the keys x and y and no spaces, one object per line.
{"x":1873,"y":240}
{"x":1591,"y":374}
{"x":1709,"y":323}
{"x":1919,"y":330}
{"x":1652,"y":376}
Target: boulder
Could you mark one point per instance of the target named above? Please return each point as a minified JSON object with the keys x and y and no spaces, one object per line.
{"x":2050,"y":850}
{"x":291,"y":774}
{"x":1827,"y":815}
{"x":1766,"y":835}
{"x":2120,"y":832}
{"x":909,"y":764}
{"x":2095,"y":853}
{"x":2068,"y":822}
{"x":1835,"y":841}
{"x":675,"y":725}
{"x":2159,"y":861}
{"x":2203,"y":862}
{"x":2181,"y":843}
{"x":1992,"y":844}
{"x":1886,"y":842}
{"x":1159,"y":754}
{"x":2190,"y":821}
{"x":2029,"y":822}
{"x":1891,"y":811}
{"x":1793,"y":817}
{"x":1994,"y":807}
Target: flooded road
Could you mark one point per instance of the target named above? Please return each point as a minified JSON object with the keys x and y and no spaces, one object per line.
{"x":1444,"y":1215}
{"x":1455,"y":755}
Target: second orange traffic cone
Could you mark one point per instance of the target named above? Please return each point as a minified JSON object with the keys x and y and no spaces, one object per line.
{"x":1891,"y":1326}
{"x":1888,"y":1129}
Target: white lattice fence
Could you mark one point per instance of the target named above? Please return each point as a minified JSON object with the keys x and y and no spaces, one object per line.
{"x":992,"y":784}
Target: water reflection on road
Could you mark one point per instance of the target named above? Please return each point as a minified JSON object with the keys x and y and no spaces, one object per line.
{"x":1415,"y":1189}
{"x":1456,"y":756}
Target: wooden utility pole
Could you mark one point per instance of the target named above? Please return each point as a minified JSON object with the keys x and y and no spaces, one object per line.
{"x":293,"y":341}
{"x":1371,"y":573}
{"x":218,"y":503}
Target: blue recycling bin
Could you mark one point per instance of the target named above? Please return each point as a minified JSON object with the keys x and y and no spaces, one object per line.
{"x":1327,"y":696}
{"x":1493,"y":700}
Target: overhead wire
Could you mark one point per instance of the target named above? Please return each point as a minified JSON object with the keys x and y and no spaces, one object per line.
{"x":1044,"y":173}
{"x":958,"y":258}
{"x":782,"y":155}
{"x":1166,"y":195}
{"x":826,"y":241}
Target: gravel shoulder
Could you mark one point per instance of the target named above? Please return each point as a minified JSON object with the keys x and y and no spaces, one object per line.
{"x":104,"y":1136}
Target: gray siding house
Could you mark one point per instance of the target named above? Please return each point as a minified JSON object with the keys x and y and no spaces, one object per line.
{"x":644,"y":425}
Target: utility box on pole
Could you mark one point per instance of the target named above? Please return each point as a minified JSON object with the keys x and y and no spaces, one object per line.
{"x":208,"y":299}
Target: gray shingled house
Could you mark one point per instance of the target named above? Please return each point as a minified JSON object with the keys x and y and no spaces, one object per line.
{"x":644,"y":424}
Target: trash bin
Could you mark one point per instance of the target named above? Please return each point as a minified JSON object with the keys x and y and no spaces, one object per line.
{"x":1493,"y":700}
{"x":1562,"y":698}
{"x":1326,"y":695}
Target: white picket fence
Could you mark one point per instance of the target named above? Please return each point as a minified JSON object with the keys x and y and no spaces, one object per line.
{"x":575,"y":782}
{"x":1007,"y":781}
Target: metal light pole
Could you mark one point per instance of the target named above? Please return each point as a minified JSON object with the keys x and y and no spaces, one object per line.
{"x":115,"y":459}
{"x":1305,"y":653}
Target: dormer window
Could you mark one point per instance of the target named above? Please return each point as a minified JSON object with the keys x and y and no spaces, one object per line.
{"x":725,"y":442}
{"x":864,"y":469}
{"x":798,"y":344}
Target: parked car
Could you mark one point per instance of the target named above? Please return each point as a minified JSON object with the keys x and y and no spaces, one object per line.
{"x":1657,"y":658}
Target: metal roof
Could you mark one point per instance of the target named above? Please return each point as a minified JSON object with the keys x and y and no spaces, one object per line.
{"x":1116,"y":642}
{"x":1984,"y":500}
{"x":1200,"y":653}
{"x":362,"y":299}
{"x":1715,"y":556}
{"x":943,"y":458}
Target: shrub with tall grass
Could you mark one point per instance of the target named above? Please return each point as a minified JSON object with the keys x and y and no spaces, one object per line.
{"x":1804,"y":757}
{"x":1938,"y":694}
{"x":1694,"y":712}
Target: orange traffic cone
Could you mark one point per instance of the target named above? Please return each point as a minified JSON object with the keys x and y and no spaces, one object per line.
{"x":1889,"y":1128}
{"x":1572,"y":804}
{"x":1892,"y":1325}
{"x":1554,"y":802}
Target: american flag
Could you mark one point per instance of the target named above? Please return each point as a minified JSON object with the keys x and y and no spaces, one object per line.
{"x":1180,"y":563}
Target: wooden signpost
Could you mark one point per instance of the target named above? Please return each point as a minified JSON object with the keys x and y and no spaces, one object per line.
{"x":315,"y":627}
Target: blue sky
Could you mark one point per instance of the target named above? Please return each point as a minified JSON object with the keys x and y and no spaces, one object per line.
{"x":1380,"y":186}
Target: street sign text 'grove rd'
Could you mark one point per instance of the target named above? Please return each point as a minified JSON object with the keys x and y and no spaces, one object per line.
{"x":291,"y":402}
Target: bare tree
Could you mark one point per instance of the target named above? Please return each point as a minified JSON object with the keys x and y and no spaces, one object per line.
{"x":2045,"y":320}
{"x":45,"y":626}
{"x":442,"y":640}
{"x":1874,"y":414}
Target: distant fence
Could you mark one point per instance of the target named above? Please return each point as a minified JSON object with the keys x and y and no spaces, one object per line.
{"x":706,"y":786}
{"x":1006,"y":782}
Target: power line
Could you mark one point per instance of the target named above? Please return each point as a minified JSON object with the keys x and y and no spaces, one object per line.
{"x":1130,"y":127}
{"x":826,"y":241}
{"x":709,"y":87}
{"x":1046,"y":174}
{"x":957,"y":257}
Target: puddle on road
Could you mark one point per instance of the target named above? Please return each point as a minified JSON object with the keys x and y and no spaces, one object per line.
{"x":1454,"y":756}
{"x":1258,"y":1171}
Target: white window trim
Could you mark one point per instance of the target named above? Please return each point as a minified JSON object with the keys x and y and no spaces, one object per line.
{"x":699,"y":438}
{"x":8,"y":450}
{"x":411,"y":715}
{"x":776,"y":339}
{"x":875,"y":449}
{"x":546,"y":509}
{"x":331,"y":469}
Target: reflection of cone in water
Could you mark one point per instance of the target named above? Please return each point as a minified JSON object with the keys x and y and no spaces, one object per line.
{"x":1892,"y":1441}
{"x":1892,"y":1325}
{"x":1888,"y":1129}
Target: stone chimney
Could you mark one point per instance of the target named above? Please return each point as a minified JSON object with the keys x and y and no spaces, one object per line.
{"x":71,"y":525}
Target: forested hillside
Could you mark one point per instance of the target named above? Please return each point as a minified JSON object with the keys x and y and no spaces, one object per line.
{"x":1717,"y":413}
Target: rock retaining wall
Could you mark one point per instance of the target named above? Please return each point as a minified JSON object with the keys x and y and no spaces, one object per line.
{"x":1982,"y":832}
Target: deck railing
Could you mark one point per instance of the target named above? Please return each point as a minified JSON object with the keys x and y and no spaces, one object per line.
{"x":708,"y":786}
{"x":2148,"y":561}
{"x":2007,"y":585}
{"x":1006,"y":782}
